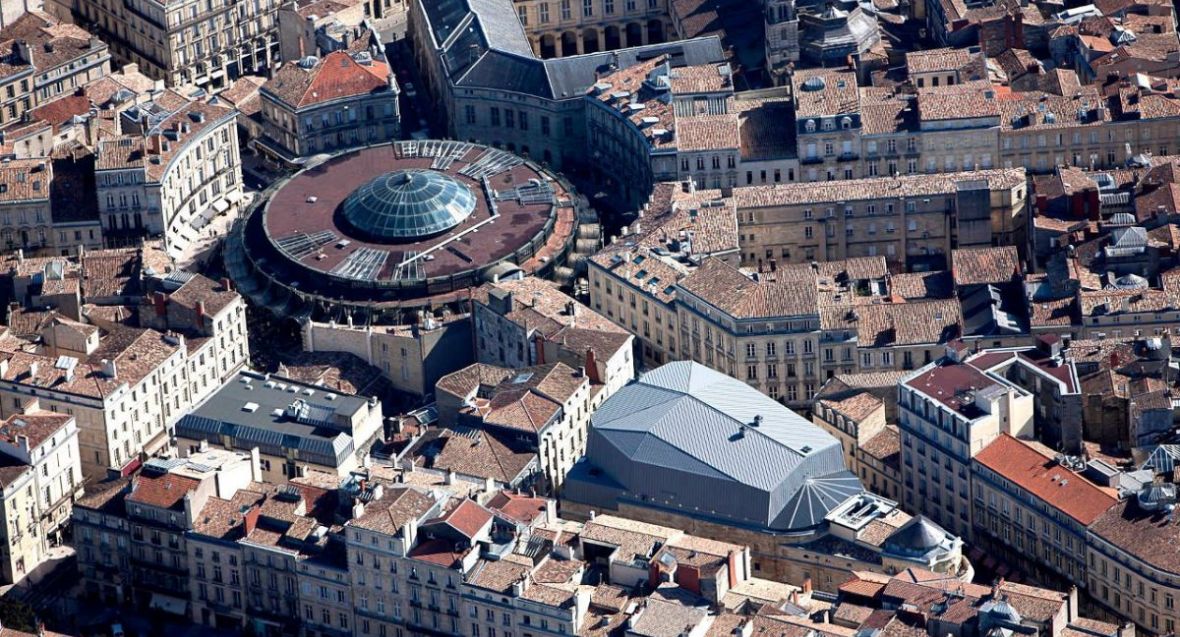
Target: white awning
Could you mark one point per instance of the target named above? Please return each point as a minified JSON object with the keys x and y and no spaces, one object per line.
{"x":220,"y":205}
{"x":169,"y":604}
{"x":233,"y":196}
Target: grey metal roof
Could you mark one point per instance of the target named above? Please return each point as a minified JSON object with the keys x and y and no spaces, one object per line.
{"x":686,"y":436}
{"x":816,"y":498}
{"x":254,"y":414}
{"x":574,"y":75}
{"x":509,"y":72}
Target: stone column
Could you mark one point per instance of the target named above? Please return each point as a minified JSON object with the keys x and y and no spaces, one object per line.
{"x":559,"y":46}
{"x":581,"y":40}
{"x":601,"y":39}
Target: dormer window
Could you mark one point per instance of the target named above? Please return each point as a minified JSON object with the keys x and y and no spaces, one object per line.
{"x":810,"y":126}
{"x":829,"y":124}
{"x":846,"y":123}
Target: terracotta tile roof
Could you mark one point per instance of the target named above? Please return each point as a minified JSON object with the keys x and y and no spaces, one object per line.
{"x":1038,"y":475}
{"x":25,"y":180}
{"x":202,"y":289}
{"x":923,"y":185}
{"x":36,"y":426}
{"x":974,"y":266}
{"x":857,"y":406}
{"x":86,"y":380}
{"x":892,"y":324}
{"x":889,"y":115}
{"x":1147,"y":535}
{"x":760,"y":126}
{"x":334,"y":77}
{"x":524,"y":410}
{"x":470,"y":378}
{"x":243,"y":94}
{"x":629,"y":86}
{"x":839,"y":96}
{"x":466,"y":517}
{"x":922,"y":285}
{"x":62,"y":110}
{"x":702,"y":78}
{"x":496,"y":575}
{"x":164,"y":491}
{"x":634,"y":539}
{"x":937,"y":60}
{"x":707,"y":132}
{"x":106,"y":496}
{"x":730,"y":291}
{"x":548,"y":301}
{"x":395,"y":509}
{"x":522,"y":508}
{"x":944,"y":105}
{"x":1056,"y":312}
{"x":885,"y":446}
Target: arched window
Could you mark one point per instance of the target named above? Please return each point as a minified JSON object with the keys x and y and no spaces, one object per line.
{"x":846,"y":122}
{"x":810,"y":126}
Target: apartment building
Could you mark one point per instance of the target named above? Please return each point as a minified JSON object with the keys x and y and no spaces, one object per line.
{"x":963,"y":609}
{"x":557,"y":28}
{"x":117,"y":388}
{"x":348,"y":98}
{"x":1131,"y":566}
{"x":323,"y":430}
{"x":546,"y":406}
{"x":529,"y":321}
{"x":828,"y":121}
{"x":663,"y":123}
{"x":950,"y":411}
{"x":852,"y":417}
{"x":313,"y":27}
{"x":1032,"y":506}
{"x":163,"y":504}
{"x":175,"y":166}
{"x":46,"y":60}
{"x":213,"y":314}
{"x":785,"y":328}
{"x":907,"y":219}
{"x":203,"y":43}
{"x":42,"y":477}
{"x":125,"y":385}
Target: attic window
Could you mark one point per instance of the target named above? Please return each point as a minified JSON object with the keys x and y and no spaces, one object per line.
{"x":522,"y":378}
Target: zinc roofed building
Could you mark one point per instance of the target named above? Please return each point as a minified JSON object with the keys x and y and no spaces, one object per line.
{"x":687,"y":446}
{"x":298,"y":428}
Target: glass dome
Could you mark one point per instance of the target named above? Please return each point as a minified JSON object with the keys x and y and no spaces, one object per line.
{"x":408,"y":204}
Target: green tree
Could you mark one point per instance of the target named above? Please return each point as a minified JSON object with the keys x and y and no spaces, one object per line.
{"x":17,"y":615}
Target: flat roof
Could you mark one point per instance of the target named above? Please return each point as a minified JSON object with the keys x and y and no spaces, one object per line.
{"x":307,"y":207}
{"x":953,"y":385}
{"x":256,"y":413}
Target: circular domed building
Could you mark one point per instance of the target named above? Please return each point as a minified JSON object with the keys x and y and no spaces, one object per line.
{"x":375,"y":232}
